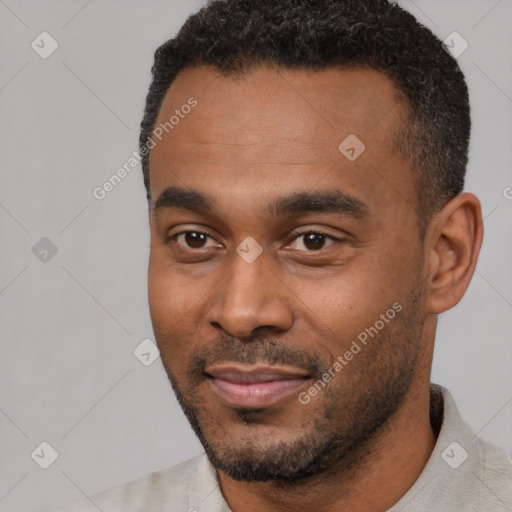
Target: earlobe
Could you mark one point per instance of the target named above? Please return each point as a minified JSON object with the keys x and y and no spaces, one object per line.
{"x":455,"y":239}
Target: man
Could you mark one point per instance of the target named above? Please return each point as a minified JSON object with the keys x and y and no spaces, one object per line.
{"x":304,"y":163}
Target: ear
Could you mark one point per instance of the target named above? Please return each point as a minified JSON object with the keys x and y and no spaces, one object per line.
{"x":453,"y":240}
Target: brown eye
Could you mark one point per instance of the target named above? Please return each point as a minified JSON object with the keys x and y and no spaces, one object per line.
{"x":192,"y":239}
{"x":315,"y":241}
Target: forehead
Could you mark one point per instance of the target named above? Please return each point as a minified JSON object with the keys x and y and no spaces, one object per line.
{"x":251,"y":135}
{"x":284,"y":101}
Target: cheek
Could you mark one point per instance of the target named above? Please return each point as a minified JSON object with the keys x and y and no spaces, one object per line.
{"x":167,"y":307}
{"x":348,"y":295}
{"x":176,"y":305}
{"x":340,"y":308}
{"x":170,"y":298}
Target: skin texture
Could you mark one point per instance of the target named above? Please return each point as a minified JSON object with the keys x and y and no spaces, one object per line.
{"x":361,"y":442}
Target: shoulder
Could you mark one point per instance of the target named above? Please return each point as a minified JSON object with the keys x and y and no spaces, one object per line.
{"x":168,"y":485}
{"x":469,"y":472}
{"x":464,"y":472}
{"x":493,"y":477}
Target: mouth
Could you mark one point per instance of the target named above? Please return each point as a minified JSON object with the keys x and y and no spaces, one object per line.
{"x":254,"y":386}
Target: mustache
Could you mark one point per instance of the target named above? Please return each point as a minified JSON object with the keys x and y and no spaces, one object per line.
{"x":264,"y":350}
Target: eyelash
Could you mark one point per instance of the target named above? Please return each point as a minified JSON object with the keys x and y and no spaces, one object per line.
{"x":295,"y":236}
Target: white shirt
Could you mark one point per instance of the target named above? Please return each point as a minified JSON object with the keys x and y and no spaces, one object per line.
{"x":464,"y":473}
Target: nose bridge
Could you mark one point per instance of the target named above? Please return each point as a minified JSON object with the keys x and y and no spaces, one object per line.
{"x":246,"y":288}
{"x":248,"y":297}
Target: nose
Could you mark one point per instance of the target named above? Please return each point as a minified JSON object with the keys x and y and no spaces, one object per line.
{"x":249,"y":297}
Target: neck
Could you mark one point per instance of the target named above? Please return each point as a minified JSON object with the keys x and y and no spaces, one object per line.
{"x":382,"y":471}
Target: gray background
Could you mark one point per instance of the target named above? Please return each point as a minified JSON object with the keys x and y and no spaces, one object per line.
{"x":68,"y":375}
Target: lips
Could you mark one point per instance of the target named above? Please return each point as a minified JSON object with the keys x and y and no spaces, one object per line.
{"x":254,"y":386}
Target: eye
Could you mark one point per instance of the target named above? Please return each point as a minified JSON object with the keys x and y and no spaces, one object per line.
{"x":192,"y":239}
{"x":314,"y":240}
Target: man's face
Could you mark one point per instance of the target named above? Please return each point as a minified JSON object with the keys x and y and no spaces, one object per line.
{"x":244,"y":335}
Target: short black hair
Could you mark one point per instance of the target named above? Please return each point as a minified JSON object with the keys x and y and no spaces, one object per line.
{"x":236,"y":36}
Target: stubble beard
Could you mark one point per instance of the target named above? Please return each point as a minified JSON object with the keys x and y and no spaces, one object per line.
{"x":340,"y":438}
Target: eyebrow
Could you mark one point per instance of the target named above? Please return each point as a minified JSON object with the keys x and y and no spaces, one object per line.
{"x":297,"y":203}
